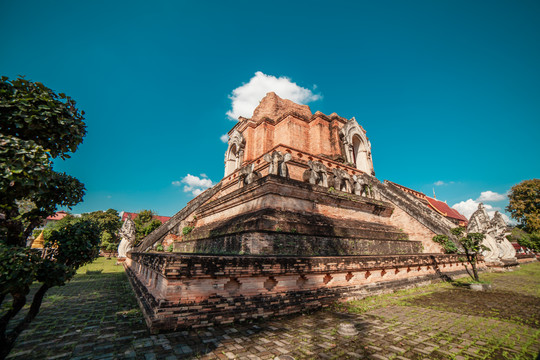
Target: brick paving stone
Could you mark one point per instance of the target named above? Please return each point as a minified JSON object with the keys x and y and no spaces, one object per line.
{"x":399,"y":332}
{"x":423,"y":351}
{"x":396,"y":349}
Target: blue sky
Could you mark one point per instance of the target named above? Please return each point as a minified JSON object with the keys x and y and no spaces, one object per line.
{"x":448,"y":91}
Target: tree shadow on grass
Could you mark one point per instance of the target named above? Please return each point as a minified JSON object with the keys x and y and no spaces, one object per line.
{"x":502,"y":305}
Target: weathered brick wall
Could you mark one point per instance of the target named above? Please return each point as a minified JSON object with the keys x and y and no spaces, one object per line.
{"x":274,"y":192}
{"x":264,"y":243}
{"x":179,"y":290}
{"x":415,"y":230}
{"x":414,"y":219}
{"x":522,"y":258}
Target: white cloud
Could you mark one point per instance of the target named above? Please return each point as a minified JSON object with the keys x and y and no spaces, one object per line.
{"x":224,"y":138}
{"x":469,"y":206}
{"x":246,"y":97}
{"x":194,"y":184}
{"x":441,"y":183}
{"x":490,"y":196}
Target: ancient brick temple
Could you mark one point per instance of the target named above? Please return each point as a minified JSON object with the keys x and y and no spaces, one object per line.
{"x":298,"y":221}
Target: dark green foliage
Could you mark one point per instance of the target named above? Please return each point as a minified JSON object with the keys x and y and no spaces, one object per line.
{"x":187,"y":229}
{"x":36,"y":126}
{"x":69,"y":244}
{"x":450,"y":248}
{"x":108,"y":242}
{"x":530,"y":241}
{"x":159,"y":247}
{"x":170,"y":248}
{"x":145,"y":224}
{"x":17,"y":268}
{"x":144,"y":216}
{"x":472,"y":244}
{"x":447,"y":244}
{"x":37,"y":115}
{"x":109,"y":223}
{"x":524,"y":205}
{"x":73,"y":246}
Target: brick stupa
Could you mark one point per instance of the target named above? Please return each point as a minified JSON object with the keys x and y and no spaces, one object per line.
{"x":298,"y":220}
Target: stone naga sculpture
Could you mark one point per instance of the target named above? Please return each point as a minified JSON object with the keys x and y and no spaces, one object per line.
{"x":341,"y":180}
{"x":499,"y":232}
{"x":248,"y":174}
{"x":479,"y":223}
{"x":495,"y":230}
{"x":316,"y":174}
{"x":278,"y":163}
{"x":127,"y":233}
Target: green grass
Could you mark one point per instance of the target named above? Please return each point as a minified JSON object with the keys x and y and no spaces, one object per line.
{"x":525,"y":280}
{"x":105,"y":265}
{"x":395,"y":298}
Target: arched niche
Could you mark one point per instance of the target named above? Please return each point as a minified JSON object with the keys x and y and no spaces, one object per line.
{"x":235,"y":153}
{"x":357,"y":147}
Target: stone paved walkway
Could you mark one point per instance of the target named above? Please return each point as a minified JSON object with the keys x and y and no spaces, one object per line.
{"x":95,"y":317}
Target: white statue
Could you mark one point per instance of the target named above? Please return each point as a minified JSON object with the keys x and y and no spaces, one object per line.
{"x":127,"y":233}
{"x":499,"y":230}
{"x":495,"y":235}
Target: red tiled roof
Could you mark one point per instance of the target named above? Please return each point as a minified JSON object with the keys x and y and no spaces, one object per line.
{"x":132,"y":216}
{"x":58,"y":216}
{"x":444,"y":209}
{"x":439,"y":206}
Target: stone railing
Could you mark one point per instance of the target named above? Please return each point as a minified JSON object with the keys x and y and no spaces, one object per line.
{"x":173,"y":222}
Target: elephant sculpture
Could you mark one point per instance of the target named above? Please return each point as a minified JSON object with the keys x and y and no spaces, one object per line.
{"x":316,"y":174}
{"x":278,"y":163}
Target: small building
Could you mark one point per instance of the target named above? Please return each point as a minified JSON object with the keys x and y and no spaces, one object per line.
{"x":37,"y":243}
{"x":124,"y":215}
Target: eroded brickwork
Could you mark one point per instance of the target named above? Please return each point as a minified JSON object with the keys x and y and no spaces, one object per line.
{"x":178,"y":291}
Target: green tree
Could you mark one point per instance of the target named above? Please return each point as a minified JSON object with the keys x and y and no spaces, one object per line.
{"x":471,"y":244}
{"x":37,"y":126}
{"x":109,"y":223}
{"x":448,"y":245}
{"x":524,"y":205}
{"x":145,"y":223}
{"x":531,"y":241}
